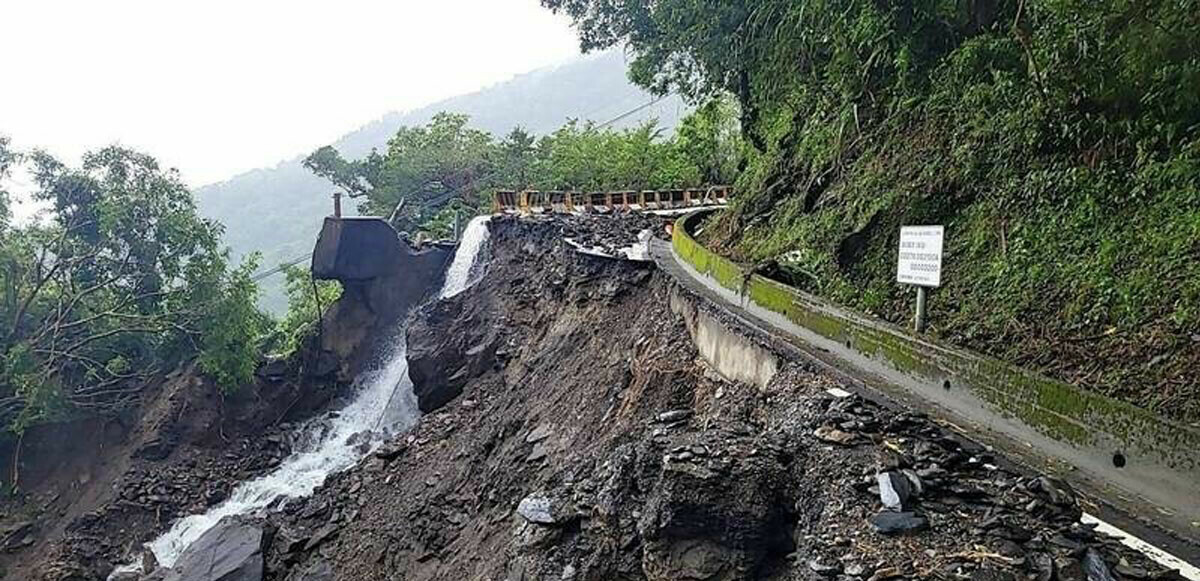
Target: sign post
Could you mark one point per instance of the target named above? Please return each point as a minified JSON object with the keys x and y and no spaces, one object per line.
{"x":920,"y":263}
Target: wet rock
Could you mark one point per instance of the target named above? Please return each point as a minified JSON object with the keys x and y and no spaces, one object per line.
{"x":433,"y":349}
{"x":891,"y":522}
{"x":895,"y":491}
{"x":230,"y":551}
{"x":391,"y":451}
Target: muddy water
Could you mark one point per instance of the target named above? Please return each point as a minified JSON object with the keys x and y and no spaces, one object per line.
{"x":384,"y":404}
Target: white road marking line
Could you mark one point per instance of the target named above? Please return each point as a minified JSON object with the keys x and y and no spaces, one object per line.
{"x":1160,"y":556}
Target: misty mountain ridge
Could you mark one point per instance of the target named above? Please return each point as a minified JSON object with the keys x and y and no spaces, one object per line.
{"x":277,"y":211}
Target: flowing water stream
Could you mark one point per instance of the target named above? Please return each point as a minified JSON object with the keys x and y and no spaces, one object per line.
{"x":458,"y":276}
{"x":383,"y":404}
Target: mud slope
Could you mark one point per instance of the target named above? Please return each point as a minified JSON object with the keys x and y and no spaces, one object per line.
{"x":92,"y":491}
{"x":576,"y":435}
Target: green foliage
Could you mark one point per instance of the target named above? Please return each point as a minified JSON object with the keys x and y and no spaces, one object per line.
{"x":434,"y":171}
{"x":230,"y":335}
{"x":120,"y":280}
{"x":1057,"y":140}
{"x":303,"y":311}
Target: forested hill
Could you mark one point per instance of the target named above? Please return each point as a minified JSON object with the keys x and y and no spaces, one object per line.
{"x":278,"y":210}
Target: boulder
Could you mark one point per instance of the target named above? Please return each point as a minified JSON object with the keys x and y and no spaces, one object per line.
{"x":448,"y":345}
{"x":230,"y":551}
{"x":696,"y":525}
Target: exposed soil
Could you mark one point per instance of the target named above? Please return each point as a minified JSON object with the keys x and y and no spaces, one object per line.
{"x":92,"y":491}
{"x":579,"y":436}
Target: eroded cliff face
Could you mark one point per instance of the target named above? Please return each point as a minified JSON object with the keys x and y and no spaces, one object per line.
{"x":574,"y":432}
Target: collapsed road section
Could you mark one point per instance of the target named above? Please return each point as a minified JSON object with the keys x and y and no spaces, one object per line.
{"x":575,"y":431}
{"x":1134,"y":467}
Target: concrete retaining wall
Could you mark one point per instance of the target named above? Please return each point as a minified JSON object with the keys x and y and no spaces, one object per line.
{"x":1108,"y":446}
{"x":733,"y":356}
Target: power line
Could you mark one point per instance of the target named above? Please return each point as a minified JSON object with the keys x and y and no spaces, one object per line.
{"x":282,"y":267}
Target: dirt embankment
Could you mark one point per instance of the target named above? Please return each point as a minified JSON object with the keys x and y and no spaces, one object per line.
{"x":577,"y":435}
{"x":91,"y":491}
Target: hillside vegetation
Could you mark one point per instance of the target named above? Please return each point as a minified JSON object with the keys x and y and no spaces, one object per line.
{"x":430,"y":173}
{"x":1055,"y":139}
{"x":114,"y":286}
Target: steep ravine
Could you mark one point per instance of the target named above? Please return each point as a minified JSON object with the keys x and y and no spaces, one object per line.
{"x":574,"y":433}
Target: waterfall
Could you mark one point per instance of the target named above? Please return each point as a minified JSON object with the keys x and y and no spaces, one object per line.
{"x":334,"y":442}
{"x":458,"y":276}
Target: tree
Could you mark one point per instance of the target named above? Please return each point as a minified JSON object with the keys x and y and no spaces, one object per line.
{"x":304,"y":308}
{"x":123,"y":279}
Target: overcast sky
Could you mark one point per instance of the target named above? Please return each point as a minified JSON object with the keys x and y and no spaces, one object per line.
{"x":216,"y":87}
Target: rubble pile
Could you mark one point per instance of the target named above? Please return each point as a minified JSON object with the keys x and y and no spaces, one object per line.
{"x":595,"y":444}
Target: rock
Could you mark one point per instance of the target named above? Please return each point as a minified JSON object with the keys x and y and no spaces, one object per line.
{"x":230,"y":551}
{"x":391,"y":451}
{"x":17,"y":535}
{"x":321,"y":535}
{"x":538,"y":434}
{"x":288,"y":540}
{"x":539,"y":452}
{"x":319,"y":570}
{"x":1131,"y":571}
{"x":855,"y":570}
{"x":990,"y":574}
{"x":890,"y":522}
{"x":1069,"y":569}
{"x":1095,"y":567}
{"x":673,"y":416}
{"x":824,"y":568}
{"x":537,"y":510}
{"x":322,"y":364}
{"x":1043,"y":565}
{"x":1058,"y":492}
{"x":835,"y":436}
{"x":894,"y":491}
{"x":273,"y":369}
{"x":433,"y":349}
{"x":885,"y":573}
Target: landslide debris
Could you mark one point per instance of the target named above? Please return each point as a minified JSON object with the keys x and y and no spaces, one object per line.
{"x":587,"y":440}
{"x":93,"y":491}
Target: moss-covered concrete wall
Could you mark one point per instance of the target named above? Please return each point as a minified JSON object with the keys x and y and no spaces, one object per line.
{"x":1155,"y":454}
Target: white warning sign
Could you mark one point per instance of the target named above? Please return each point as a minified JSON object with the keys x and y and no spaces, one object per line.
{"x":920,"y":261}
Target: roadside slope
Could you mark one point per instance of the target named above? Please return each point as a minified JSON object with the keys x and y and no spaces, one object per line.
{"x":578,"y":435}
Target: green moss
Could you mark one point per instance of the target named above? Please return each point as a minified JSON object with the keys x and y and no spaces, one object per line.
{"x":1054,"y":408}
